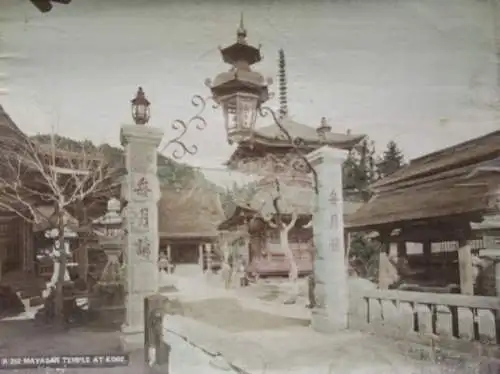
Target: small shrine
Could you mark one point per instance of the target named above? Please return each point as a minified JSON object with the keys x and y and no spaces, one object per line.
{"x":267,"y":153}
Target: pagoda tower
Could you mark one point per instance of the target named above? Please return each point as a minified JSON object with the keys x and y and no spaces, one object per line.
{"x":268,"y":155}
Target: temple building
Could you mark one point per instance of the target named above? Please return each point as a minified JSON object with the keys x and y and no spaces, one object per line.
{"x":269,"y":155}
{"x":23,"y":221}
{"x":188,"y":219}
{"x":447,"y":203}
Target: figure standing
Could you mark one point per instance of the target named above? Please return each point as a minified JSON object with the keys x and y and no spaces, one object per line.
{"x":163,"y":263}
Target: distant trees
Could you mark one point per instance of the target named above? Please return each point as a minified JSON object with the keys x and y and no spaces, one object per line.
{"x":169,"y":171}
{"x":363,"y":167}
{"x":391,"y":161}
{"x":360,"y":171}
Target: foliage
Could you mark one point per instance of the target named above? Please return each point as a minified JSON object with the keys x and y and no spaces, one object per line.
{"x":363,"y":256}
{"x":391,"y":160}
{"x":234,"y":194}
{"x":169,"y":171}
{"x":359,"y":171}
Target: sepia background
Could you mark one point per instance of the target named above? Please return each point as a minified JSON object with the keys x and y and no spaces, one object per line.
{"x":421,"y":72}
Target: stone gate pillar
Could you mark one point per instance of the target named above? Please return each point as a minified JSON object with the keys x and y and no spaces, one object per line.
{"x":142,"y":191}
{"x":330,"y":272}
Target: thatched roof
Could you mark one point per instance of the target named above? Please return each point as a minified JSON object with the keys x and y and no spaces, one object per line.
{"x":472,"y":152}
{"x":442,"y":184}
{"x":189,"y":213}
{"x":8,"y":129}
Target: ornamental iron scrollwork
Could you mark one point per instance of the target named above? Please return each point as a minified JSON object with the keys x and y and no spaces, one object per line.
{"x":182,"y":127}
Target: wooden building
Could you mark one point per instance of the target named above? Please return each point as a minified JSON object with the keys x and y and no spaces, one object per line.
{"x":17,"y":257}
{"x":269,"y":155}
{"x":188,"y":221}
{"x":263,"y":250}
{"x":18,"y":260}
{"x":437,"y":198}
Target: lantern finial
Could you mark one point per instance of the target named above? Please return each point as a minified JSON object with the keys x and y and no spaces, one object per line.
{"x":241,"y":33}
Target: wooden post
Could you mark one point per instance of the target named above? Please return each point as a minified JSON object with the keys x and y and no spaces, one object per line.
{"x":169,"y":253}
{"x":169,"y":258}
{"x":427,"y":254}
{"x":31,"y":248}
{"x":154,"y":345}
{"x":385,"y":267}
{"x":465,"y":267}
{"x":427,"y":249}
{"x":201,"y":261}
{"x":21,"y":242}
{"x":208,"y":248}
{"x":402,"y":250}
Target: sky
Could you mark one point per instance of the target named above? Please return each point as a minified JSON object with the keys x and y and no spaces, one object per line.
{"x":420,"y":72}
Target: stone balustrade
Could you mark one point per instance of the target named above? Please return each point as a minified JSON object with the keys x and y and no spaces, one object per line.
{"x":450,"y":321}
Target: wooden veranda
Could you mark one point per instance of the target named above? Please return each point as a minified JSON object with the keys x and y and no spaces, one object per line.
{"x":437,"y":198}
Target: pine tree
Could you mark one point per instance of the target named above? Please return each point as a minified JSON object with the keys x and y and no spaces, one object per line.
{"x":360,"y":171}
{"x":391,"y":161}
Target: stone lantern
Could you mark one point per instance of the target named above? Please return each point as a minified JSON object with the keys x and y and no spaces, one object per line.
{"x":109,"y":292}
{"x":240,"y":91}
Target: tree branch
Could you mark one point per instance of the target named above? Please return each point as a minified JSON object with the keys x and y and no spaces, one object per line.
{"x":308,"y":225}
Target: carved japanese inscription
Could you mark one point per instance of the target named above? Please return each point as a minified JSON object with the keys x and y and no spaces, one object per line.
{"x":334,"y":244}
{"x":142,"y":188}
{"x":143,"y":247}
{"x":144,"y":218}
{"x":334,"y":221}
{"x":139,"y":218}
{"x":333,"y":198}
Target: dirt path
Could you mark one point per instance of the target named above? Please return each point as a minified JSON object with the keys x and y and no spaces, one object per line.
{"x":229,"y":315}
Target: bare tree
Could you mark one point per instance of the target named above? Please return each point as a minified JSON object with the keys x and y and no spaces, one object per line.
{"x":284,"y":223}
{"x":33,"y":175}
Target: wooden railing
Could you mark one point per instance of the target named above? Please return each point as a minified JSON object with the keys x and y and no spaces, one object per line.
{"x":452,"y":321}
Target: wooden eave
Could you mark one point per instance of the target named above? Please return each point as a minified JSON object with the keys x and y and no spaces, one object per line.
{"x":238,"y":218}
{"x":472,"y":152}
{"x":439,"y":199}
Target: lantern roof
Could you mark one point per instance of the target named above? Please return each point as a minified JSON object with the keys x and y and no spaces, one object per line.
{"x":251,"y":82}
{"x":140,"y":98}
{"x":241,"y":51}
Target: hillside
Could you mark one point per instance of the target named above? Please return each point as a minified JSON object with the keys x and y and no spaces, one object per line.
{"x":170,"y":172}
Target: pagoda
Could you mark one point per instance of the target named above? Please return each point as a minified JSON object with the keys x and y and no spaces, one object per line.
{"x":268,"y":155}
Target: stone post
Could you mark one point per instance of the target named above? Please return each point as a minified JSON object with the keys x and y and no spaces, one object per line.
{"x":201,"y":261}
{"x":465,"y":268}
{"x":142,"y":192}
{"x":208,"y":249}
{"x":169,"y":257}
{"x":330,"y":312}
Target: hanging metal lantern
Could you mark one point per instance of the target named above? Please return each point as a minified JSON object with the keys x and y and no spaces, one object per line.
{"x":140,"y":108}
